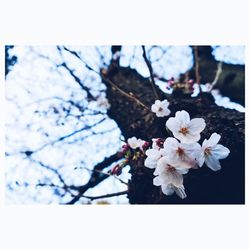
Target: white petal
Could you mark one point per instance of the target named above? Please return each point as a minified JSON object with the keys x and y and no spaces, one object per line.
{"x":158,"y":103}
{"x":192,"y":149}
{"x":157,"y":171}
{"x":183,"y":117}
{"x":213,"y":140}
{"x":220,"y":152}
{"x":163,"y":152}
{"x":133,"y":142}
{"x":165,"y":103}
{"x":167,"y":189}
{"x":201,"y":160}
{"x":149,"y":163}
{"x":180,"y":191}
{"x":205,"y":144}
{"x":175,"y":178}
{"x":166,"y":111}
{"x":153,"y":154}
{"x":187,"y":138}
{"x":162,"y":165}
{"x":162,"y":113}
{"x":212,"y":163}
{"x":157,"y":181}
{"x":154,"y":108}
{"x":172,"y":124}
{"x":196,"y":125}
{"x":170,"y":143}
{"x":182,"y":170}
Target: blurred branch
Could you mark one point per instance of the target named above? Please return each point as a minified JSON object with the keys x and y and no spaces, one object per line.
{"x":196,"y":60}
{"x":217,"y":75}
{"x":28,"y":153}
{"x":150,"y":71}
{"x":95,"y":178}
{"x":76,"y":78}
{"x":106,"y":195}
{"x":117,"y":178}
{"x":129,"y":95}
{"x":55,"y":171}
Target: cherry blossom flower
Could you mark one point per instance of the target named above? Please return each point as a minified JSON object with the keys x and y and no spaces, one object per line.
{"x":135,"y":143}
{"x":184,"y":129}
{"x":170,"y":178}
{"x":212,"y":152}
{"x":182,"y":154}
{"x":160,"y":108}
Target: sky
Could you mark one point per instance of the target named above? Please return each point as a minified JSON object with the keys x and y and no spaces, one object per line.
{"x":38,"y":91}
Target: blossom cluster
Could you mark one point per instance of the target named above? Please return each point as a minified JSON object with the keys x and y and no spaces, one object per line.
{"x":174,"y":156}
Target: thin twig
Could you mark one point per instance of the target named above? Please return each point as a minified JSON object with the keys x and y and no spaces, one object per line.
{"x":197,"y":74}
{"x":106,"y":195}
{"x":95,"y":178}
{"x":150,"y":72}
{"x":117,"y":178}
{"x":129,"y":95}
{"x":217,"y":75}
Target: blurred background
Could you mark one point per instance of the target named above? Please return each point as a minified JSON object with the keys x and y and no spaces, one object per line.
{"x":57,"y":127}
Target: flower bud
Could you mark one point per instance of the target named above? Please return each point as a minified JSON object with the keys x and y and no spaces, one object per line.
{"x":124,"y":150}
{"x":146,"y":145}
{"x":159,"y":142}
{"x":116,"y":170}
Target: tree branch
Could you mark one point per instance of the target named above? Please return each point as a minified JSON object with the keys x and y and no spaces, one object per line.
{"x":217,"y":75}
{"x":76,"y":78}
{"x":106,"y":195}
{"x":96,"y":177}
{"x":150,"y":71}
{"x":196,"y":59}
{"x":129,"y":95}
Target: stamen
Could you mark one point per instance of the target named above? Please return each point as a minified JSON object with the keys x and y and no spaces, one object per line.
{"x":184,"y":131}
{"x":180,"y":151}
{"x":207,"y":151}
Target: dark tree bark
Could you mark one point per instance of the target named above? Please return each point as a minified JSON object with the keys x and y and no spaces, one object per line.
{"x":203,"y":186}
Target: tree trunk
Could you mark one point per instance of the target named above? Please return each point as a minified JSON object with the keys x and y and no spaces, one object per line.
{"x":203,"y":186}
{"x":231,"y":82}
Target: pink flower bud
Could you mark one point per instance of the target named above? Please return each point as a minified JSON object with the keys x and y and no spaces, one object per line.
{"x":170,"y":82}
{"x":124,"y":149}
{"x":159,"y":142}
{"x":116,"y":170}
{"x":146,"y":145}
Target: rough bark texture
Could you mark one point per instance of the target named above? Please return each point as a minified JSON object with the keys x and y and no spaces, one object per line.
{"x":203,"y":186}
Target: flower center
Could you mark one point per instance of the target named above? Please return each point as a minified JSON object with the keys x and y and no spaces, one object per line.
{"x":160,"y":109}
{"x":184,"y":131}
{"x":207,"y":151}
{"x":170,"y":168}
{"x":180,"y":151}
